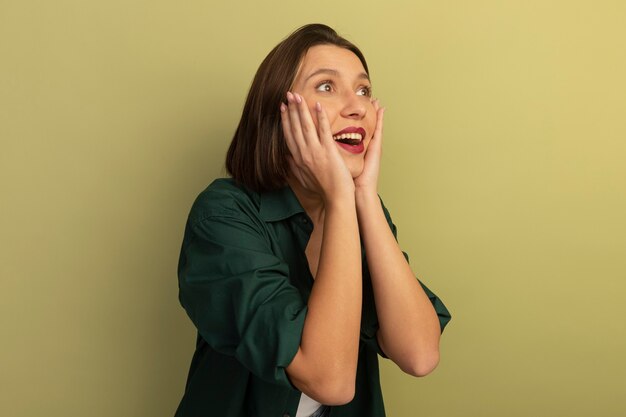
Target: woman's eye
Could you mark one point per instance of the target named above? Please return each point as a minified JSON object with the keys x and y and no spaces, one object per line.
{"x":364,"y":91}
{"x":325,"y":87}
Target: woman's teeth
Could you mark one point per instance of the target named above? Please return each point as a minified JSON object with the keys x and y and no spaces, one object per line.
{"x":356,"y":136}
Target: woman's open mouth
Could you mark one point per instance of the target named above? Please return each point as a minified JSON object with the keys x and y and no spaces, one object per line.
{"x":350,"y":139}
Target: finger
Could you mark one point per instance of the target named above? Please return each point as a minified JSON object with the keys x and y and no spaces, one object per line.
{"x":294,"y":119}
{"x":306,"y":121}
{"x":375,"y":146}
{"x":286,"y":124}
{"x":378,"y":131}
{"x":323,"y":125}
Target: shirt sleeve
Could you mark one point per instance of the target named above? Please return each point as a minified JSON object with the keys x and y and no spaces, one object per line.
{"x":370,"y":323}
{"x":238,"y":295}
{"x":442,"y":312}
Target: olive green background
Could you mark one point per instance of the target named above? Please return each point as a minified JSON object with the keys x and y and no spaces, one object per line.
{"x":504,"y":167}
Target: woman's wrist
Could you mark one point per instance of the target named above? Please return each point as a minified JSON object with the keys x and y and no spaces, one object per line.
{"x":344,"y":203}
{"x":339,"y":194}
{"x":366,"y":196}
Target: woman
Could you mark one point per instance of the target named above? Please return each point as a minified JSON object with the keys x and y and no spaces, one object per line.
{"x":290,"y":270}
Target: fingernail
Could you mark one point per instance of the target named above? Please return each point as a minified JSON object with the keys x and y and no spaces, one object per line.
{"x":283,"y":108}
{"x":290,"y":96}
{"x":318,"y":107}
{"x":298,"y":98}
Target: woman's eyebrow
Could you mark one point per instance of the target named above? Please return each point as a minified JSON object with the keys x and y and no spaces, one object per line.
{"x":335,"y":73}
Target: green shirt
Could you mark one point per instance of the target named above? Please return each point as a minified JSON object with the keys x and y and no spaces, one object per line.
{"x":244,"y":281}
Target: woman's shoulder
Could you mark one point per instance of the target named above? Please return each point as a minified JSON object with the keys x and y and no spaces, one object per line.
{"x":224,"y":197}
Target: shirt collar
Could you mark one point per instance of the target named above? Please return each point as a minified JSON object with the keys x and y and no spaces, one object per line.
{"x":279,"y":204}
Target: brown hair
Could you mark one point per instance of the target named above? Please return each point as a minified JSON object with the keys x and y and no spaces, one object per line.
{"x":257,"y":155}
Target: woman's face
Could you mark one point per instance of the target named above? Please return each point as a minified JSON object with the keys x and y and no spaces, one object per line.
{"x":335,"y":78}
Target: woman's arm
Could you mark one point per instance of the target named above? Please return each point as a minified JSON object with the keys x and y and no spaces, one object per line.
{"x":409,"y":327}
{"x":325,"y":365}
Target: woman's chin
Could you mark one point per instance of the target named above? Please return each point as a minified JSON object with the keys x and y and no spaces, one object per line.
{"x":355,"y":171}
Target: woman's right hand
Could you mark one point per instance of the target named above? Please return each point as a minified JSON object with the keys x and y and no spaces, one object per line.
{"x":315,"y":160}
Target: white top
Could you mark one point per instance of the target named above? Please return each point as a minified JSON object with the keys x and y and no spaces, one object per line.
{"x":307,"y":406}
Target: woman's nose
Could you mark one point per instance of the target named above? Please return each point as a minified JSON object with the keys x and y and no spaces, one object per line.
{"x":354,"y":107}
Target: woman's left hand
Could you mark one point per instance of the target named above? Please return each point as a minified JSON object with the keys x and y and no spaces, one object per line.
{"x":367,"y":181}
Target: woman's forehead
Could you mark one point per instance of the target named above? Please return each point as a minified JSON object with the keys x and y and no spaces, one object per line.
{"x":330,"y":59}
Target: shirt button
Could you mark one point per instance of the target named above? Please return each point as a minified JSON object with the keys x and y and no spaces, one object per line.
{"x":305,"y":221}
{"x":286,"y":415}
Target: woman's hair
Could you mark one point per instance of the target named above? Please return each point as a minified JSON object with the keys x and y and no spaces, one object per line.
{"x":257,"y":155}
